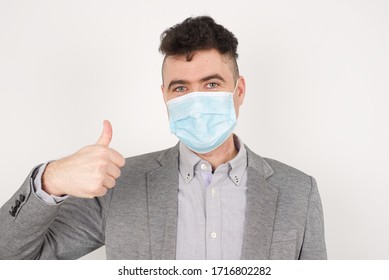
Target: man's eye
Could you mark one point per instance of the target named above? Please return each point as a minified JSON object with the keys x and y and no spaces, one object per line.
{"x":212,"y":85}
{"x":180,"y":89}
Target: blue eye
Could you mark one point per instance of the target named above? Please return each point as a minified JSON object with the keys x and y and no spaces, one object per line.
{"x":180,"y":89}
{"x":212,"y":85}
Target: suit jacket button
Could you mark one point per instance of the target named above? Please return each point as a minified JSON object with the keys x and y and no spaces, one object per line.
{"x":17,"y":203}
{"x":22,"y":197}
{"x":12,"y":213}
{"x":13,"y":210}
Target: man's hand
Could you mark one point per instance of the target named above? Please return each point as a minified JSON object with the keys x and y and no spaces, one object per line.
{"x":88,"y":173}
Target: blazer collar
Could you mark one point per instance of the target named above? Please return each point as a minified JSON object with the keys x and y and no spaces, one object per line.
{"x":259,"y":164}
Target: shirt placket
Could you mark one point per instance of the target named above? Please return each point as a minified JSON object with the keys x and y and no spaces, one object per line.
{"x":213,"y":218}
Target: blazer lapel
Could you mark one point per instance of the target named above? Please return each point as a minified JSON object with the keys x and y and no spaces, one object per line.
{"x":162,"y":188}
{"x":261,"y":209}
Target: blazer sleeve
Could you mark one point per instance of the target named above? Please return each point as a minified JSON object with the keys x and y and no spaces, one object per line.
{"x":314,"y":247}
{"x":33,"y":229}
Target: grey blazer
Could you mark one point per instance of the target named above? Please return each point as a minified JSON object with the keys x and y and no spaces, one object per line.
{"x":138,"y":218}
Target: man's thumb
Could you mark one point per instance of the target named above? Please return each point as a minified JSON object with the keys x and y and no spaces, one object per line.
{"x":106,"y":135}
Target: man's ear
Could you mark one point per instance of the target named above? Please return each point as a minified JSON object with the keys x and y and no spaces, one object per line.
{"x":164,"y":99}
{"x":241,"y":90}
{"x":163,"y":92}
{"x":239,"y":95}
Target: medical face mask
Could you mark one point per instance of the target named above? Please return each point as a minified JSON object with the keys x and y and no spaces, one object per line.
{"x":202,"y":120}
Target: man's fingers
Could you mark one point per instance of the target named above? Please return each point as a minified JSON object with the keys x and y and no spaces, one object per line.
{"x":113,"y":171}
{"x":106,"y":135}
{"x":116,"y":158}
{"x":101,"y":192}
{"x":109,"y":182}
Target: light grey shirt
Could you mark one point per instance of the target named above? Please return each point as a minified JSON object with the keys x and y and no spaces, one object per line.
{"x":211,"y":206}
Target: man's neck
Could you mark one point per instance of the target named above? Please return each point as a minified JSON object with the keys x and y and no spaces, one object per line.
{"x":222,"y":154}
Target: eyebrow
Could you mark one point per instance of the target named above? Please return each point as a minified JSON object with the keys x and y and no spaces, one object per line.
{"x":185,"y":82}
{"x":213,"y":76}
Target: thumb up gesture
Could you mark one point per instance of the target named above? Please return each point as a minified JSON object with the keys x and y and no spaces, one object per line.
{"x":88,"y":173}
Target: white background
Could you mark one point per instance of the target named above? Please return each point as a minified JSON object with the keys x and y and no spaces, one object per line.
{"x":317,"y":93}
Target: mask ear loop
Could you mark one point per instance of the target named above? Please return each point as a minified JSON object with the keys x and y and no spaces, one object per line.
{"x":236,"y":87}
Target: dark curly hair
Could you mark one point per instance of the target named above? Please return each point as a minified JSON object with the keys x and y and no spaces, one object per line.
{"x":199,"y":33}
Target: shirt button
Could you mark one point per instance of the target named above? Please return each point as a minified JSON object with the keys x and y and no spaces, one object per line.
{"x":213,"y":235}
{"x":203,"y":166}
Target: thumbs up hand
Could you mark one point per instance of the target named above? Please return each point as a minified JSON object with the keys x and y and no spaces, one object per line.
{"x":88,"y":173}
{"x":106,"y":135}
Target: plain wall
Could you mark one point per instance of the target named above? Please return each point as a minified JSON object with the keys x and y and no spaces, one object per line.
{"x":317,"y":93}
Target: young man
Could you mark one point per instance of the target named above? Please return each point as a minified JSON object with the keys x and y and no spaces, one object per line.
{"x":209,"y":197}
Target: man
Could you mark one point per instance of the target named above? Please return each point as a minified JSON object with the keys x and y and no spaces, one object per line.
{"x":209,"y":197}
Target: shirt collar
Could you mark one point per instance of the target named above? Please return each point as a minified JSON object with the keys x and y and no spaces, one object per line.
{"x":187,"y":162}
{"x":239,"y":163}
{"x":236,"y":167}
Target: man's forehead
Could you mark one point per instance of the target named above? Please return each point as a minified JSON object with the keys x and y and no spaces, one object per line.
{"x":202,"y":63}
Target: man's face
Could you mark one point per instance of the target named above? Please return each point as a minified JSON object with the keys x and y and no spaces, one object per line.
{"x":207,"y":71}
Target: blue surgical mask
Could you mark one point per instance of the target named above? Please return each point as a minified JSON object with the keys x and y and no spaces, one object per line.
{"x":202,"y":120}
